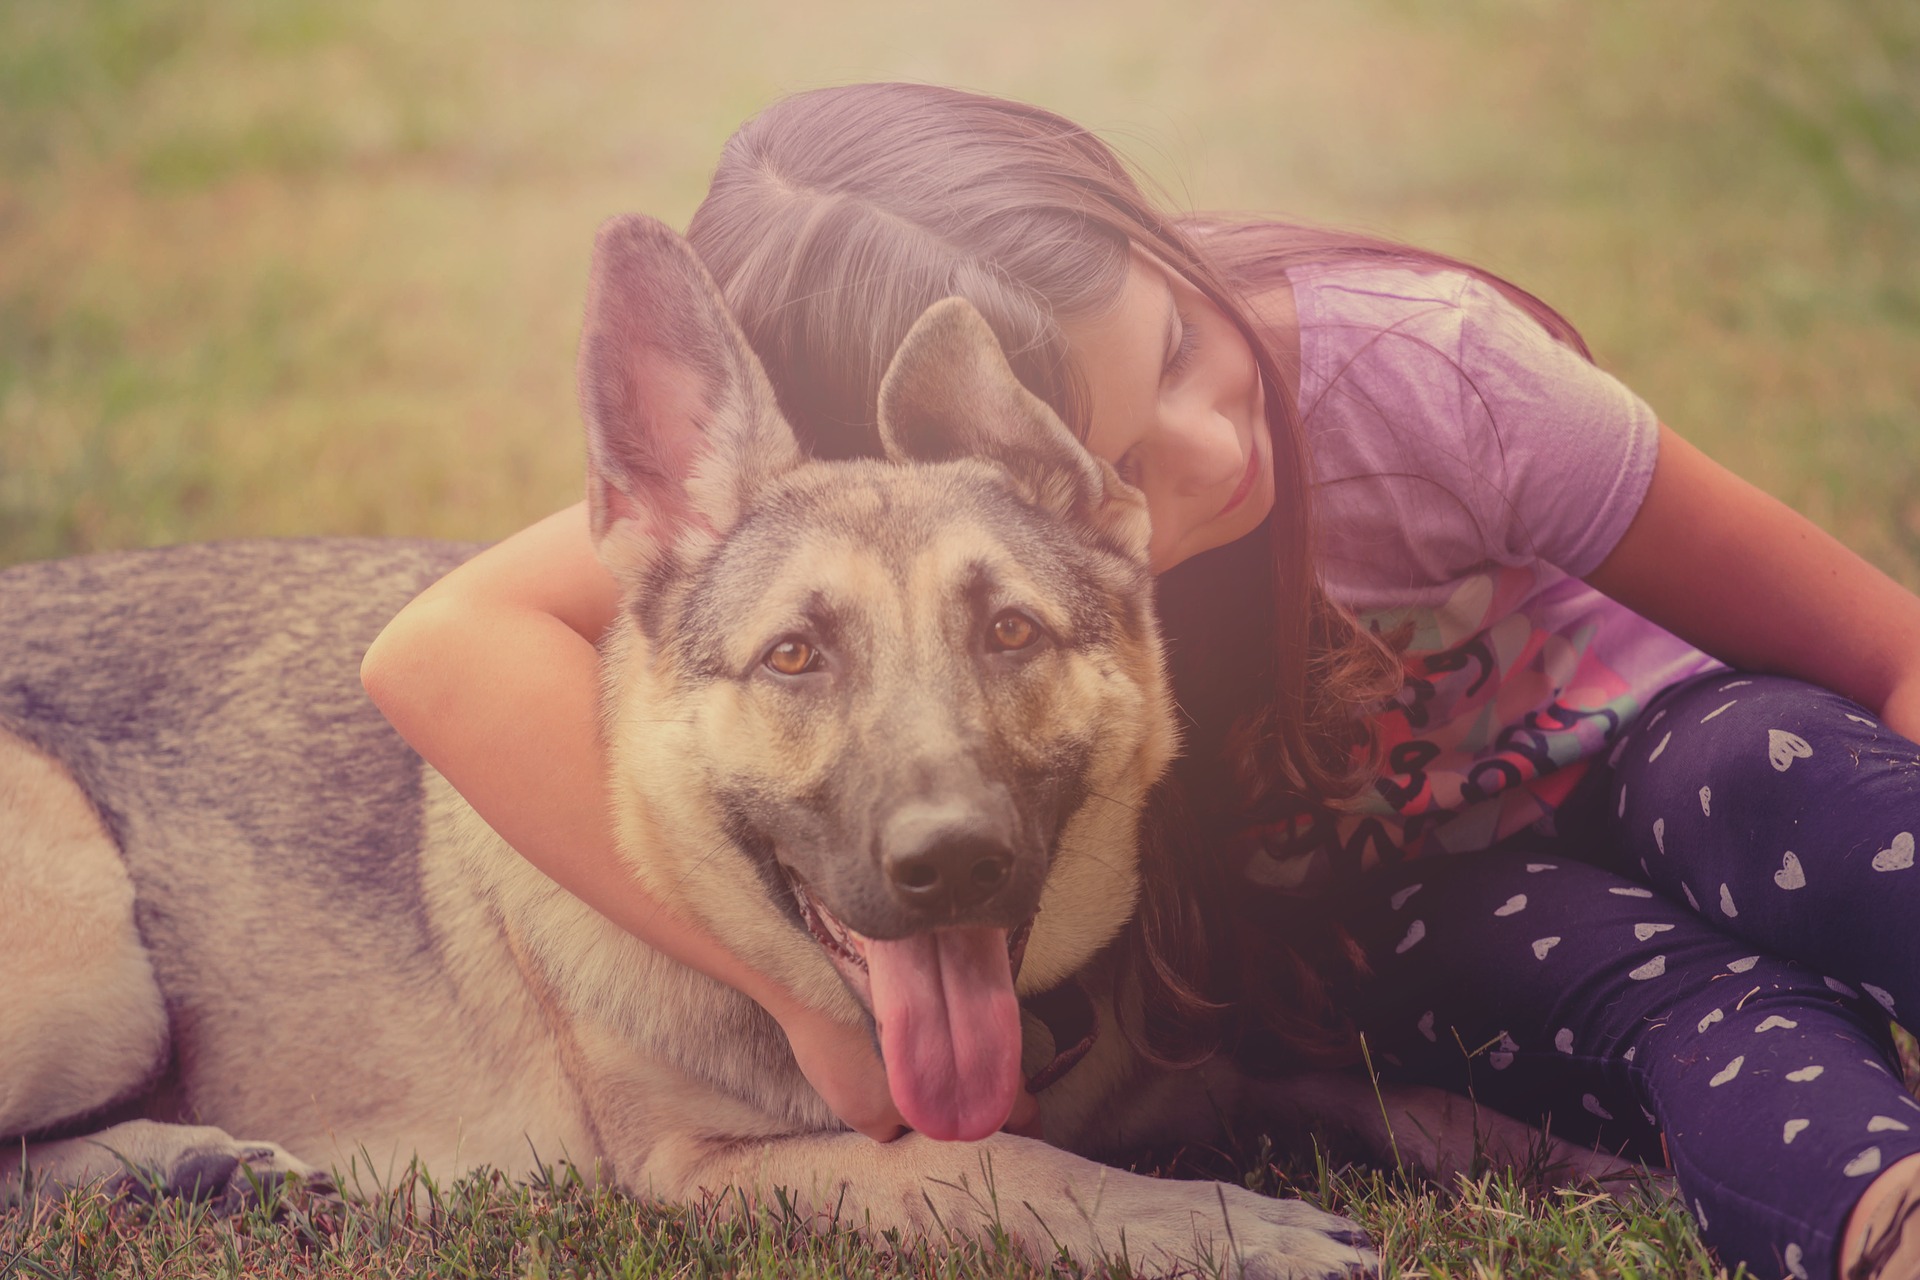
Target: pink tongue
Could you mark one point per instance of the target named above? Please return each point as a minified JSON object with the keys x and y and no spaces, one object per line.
{"x":949,"y":1029}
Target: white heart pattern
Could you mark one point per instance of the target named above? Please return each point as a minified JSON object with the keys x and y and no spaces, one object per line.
{"x":1796,"y":1259}
{"x":1662,"y":747}
{"x":1775,"y":1021}
{"x":1784,"y":748}
{"x":1885,"y":1000}
{"x":1706,"y":801}
{"x":1880,"y":1124}
{"x":1518,"y":902}
{"x":1790,"y":875}
{"x":1592,"y":1104}
{"x":1794,"y":1129}
{"x":1710,"y":1019}
{"x":1717,"y":710}
{"x":1630,"y":893}
{"x":1660,"y":834}
{"x":1805,"y":1074}
{"x":1543,"y":866}
{"x":1502,"y":1058}
{"x":1416,"y":931}
{"x":1563,"y":1039}
{"x":1728,"y":1072}
{"x":1426,"y":1025}
{"x":1645,"y":931}
{"x":1862,"y":720}
{"x":1842,"y":988}
{"x":1898,"y":857}
{"x":1651,"y":969}
{"x":1743,"y":964}
{"x":1399,"y":899}
{"x":1543,"y":945}
{"x":1726,"y":901}
{"x":1691,"y":900}
{"x":1866,"y":1162}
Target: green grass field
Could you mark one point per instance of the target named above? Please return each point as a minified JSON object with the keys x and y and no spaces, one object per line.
{"x":315,"y":266}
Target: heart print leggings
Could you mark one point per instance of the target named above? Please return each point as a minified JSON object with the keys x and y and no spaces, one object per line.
{"x":1701,"y":976}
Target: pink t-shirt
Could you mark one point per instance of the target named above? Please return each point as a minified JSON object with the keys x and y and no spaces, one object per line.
{"x":1468,"y":469}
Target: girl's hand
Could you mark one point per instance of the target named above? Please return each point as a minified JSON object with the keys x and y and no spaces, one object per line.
{"x":843,"y":1067}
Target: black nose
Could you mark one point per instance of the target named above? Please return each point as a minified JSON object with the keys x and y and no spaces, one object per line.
{"x":951,"y":872}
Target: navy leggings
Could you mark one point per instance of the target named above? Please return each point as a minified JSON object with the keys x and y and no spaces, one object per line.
{"x":1699,"y":970}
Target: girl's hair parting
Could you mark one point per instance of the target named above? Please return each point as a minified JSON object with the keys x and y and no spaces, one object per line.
{"x":835,"y":218}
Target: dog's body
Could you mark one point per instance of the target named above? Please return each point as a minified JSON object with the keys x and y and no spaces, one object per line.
{"x":910,"y":707}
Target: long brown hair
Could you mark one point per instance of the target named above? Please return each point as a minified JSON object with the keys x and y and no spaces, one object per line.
{"x":834,"y":219}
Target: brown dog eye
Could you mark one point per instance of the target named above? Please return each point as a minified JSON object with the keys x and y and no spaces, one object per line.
{"x":791,"y":657}
{"x":1014,"y":631}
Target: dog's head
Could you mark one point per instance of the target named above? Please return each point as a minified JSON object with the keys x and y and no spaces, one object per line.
{"x":891,"y":720}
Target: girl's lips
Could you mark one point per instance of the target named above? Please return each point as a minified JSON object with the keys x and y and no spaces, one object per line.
{"x":1245,"y":487}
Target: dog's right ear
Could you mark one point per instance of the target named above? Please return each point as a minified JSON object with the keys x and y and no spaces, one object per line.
{"x":682,"y":426}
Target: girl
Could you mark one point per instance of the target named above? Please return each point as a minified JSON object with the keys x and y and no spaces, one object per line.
{"x":1448,"y":612}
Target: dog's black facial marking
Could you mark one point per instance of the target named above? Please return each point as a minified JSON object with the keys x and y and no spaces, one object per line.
{"x":741,"y":811}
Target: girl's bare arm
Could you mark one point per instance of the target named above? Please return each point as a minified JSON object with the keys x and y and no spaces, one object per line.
{"x":1748,"y":579}
{"x":491,"y":674}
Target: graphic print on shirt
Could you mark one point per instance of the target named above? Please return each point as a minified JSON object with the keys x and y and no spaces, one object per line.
{"x":1494,"y":724}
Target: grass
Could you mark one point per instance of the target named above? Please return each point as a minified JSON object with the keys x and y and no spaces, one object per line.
{"x":316,"y":266}
{"x":561,"y":1226}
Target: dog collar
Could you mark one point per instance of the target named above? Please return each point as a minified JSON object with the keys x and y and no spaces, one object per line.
{"x":1067,"y":1013}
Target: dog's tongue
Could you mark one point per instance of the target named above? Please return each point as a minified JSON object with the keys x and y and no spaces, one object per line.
{"x":949,"y":1029}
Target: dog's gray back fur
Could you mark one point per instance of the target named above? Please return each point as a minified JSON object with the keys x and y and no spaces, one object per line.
{"x":219,"y":683}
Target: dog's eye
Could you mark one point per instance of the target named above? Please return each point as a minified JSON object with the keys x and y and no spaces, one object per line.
{"x":1013,"y":630}
{"x":792,"y":657}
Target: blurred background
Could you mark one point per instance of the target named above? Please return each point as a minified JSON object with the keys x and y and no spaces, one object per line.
{"x":315,"y":266}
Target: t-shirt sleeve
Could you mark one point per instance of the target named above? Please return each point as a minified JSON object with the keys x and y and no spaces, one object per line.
{"x":1573,"y":449}
{"x":1450,"y":431}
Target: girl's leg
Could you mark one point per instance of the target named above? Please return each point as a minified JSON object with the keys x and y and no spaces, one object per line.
{"x":1551,"y":989}
{"x":1789,"y":814}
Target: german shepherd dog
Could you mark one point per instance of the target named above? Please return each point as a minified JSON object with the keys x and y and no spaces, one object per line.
{"x":884,"y":726}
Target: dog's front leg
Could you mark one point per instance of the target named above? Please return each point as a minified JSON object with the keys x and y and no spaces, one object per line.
{"x":1044,"y":1199}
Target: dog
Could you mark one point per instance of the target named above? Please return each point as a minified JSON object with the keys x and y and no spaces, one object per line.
{"x":883,"y":726}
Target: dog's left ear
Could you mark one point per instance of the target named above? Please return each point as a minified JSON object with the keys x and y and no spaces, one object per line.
{"x":682,"y":426}
{"x":950,"y":393}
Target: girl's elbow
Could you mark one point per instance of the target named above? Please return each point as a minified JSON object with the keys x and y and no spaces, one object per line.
{"x":396,"y":668}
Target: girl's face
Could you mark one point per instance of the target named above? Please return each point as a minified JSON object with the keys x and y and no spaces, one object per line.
{"x":1178,"y":409}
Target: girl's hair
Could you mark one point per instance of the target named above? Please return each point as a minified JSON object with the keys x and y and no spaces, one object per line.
{"x":835,"y":218}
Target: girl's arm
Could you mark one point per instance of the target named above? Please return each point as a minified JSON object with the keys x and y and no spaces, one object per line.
{"x":491,"y":674}
{"x":1745,"y":577}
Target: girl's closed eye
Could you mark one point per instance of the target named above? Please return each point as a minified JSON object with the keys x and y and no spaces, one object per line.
{"x":1182,"y":352}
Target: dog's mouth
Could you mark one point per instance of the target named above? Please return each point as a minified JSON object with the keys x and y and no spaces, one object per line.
{"x":943,"y":1003}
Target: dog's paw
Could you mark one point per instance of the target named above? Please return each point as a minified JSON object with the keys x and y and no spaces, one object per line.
{"x":1158,"y":1225}
{"x":1267,"y":1239}
{"x":227,"y":1174}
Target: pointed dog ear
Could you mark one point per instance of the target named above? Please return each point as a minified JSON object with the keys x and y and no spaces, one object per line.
{"x":682,"y":426}
{"x":950,"y":393}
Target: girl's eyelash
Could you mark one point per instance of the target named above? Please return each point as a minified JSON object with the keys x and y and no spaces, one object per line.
{"x":1183,"y":354}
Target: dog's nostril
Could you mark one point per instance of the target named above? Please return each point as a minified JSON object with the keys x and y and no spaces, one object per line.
{"x":917,"y":875}
{"x":990,"y":873}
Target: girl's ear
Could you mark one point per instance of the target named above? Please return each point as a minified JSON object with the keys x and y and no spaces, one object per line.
{"x":682,"y":426}
{"x":950,"y":393}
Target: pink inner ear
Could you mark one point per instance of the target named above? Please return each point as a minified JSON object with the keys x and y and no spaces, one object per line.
{"x":657,"y":446}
